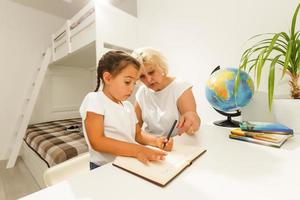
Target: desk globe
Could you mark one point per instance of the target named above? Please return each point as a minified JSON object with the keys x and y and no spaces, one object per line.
{"x":219,"y":92}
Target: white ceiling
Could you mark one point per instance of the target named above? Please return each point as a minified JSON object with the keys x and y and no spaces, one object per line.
{"x":67,"y":8}
{"x":61,"y":8}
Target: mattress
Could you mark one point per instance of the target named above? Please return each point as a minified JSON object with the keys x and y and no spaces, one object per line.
{"x":56,"y":141}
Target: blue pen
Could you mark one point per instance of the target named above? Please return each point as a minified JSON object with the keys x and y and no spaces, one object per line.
{"x":170,"y":133}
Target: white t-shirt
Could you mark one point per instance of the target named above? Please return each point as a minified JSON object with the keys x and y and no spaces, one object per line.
{"x":159,"y":109}
{"x":119,"y":122}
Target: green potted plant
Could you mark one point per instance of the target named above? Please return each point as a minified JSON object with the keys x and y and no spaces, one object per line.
{"x":275,"y":50}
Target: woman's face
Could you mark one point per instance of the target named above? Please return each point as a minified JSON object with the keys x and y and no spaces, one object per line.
{"x":152,"y":77}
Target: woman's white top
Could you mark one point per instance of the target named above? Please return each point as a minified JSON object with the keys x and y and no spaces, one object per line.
{"x":159,"y":109}
{"x":119,"y":122}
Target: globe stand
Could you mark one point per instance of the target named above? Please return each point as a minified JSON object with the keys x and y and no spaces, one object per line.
{"x":228,"y":122}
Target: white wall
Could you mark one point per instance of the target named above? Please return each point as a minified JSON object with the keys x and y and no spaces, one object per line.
{"x":198,"y":35}
{"x":62,"y":93}
{"x":25,"y":33}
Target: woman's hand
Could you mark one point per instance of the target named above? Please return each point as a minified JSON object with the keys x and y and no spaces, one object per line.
{"x":145,"y":154}
{"x":164,"y":144}
{"x":188,"y":123}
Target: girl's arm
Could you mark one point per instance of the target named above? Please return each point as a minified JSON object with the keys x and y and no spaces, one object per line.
{"x":94,"y":125}
{"x":138,"y":112}
{"x":155,"y":141}
{"x":143,"y":138}
{"x":189,"y":121}
{"x":148,"y":139}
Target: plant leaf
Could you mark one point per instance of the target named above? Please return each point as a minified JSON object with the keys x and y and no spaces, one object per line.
{"x":297,"y":36}
{"x":287,"y":58}
{"x":259,"y":66}
{"x":252,"y":66}
{"x":297,"y":59}
{"x":270,"y":47}
{"x":271,"y":81}
{"x":244,"y":63}
{"x":257,"y":45}
{"x":285,"y":36}
{"x":294,"y":20}
{"x":236,"y":82}
{"x":259,"y":35}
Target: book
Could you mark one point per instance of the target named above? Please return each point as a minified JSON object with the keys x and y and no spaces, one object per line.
{"x":265,"y":127}
{"x":162,"y":172}
{"x":276,"y":140}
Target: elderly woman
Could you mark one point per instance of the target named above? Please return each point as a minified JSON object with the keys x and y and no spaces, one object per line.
{"x":163,"y":99}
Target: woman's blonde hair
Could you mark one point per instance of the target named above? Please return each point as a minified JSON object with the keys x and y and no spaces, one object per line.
{"x":150,"y":56}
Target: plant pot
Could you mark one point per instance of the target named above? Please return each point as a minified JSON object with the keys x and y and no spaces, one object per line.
{"x":286,"y":112}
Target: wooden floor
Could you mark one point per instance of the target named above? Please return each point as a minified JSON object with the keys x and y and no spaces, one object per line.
{"x":16,"y":182}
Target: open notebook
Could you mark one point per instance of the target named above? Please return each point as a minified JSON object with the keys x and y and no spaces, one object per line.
{"x":161,"y":173}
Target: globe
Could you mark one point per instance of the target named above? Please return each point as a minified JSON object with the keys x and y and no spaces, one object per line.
{"x":219,"y":90}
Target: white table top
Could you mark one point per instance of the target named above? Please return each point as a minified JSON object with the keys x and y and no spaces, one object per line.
{"x":230,"y":169}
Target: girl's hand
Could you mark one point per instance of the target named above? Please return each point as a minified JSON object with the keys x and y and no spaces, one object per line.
{"x":188,"y":123}
{"x":164,"y":143}
{"x":145,"y":154}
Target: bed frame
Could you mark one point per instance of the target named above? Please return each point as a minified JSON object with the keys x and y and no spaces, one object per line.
{"x":80,"y":42}
{"x":34,"y":163}
{"x":99,"y":27}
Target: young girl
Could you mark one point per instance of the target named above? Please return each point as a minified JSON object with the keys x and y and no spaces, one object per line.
{"x":109,"y":122}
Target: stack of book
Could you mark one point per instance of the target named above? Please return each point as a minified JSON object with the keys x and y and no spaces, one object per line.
{"x":269,"y":134}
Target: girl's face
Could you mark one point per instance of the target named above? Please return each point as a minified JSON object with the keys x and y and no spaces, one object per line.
{"x":153,"y":77}
{"x":120,"y":87}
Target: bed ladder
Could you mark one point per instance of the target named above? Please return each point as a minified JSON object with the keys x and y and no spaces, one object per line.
{"x":23,"y":119}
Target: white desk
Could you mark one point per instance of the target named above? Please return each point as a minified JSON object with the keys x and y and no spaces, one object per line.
{"x":229,"y":169}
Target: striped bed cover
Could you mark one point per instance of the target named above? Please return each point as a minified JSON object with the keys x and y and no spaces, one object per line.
{"x":56,"y":141}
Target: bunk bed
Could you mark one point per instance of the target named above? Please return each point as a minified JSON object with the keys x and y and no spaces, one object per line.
{"x":79,"y":43}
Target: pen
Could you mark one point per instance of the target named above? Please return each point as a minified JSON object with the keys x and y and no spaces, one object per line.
{"x":170,"y":132}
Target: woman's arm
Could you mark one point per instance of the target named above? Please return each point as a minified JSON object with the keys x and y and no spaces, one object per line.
{"x":189,"y":121}
{"x":94,"y":124}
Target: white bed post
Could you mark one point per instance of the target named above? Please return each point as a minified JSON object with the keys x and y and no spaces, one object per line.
{"x":29,"y":106}
{"x":68,"y":34}
{"x":53,"y":47}
{"x":99,"y":32}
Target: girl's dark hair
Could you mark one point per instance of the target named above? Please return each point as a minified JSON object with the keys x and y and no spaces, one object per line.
{"x":114,"y":62}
